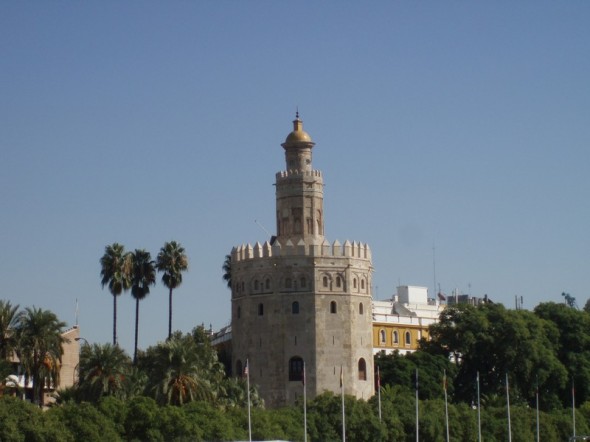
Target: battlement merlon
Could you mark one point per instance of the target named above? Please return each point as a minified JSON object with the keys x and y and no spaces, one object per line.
{"x":266,"y":250}
{"x":286,"y":174}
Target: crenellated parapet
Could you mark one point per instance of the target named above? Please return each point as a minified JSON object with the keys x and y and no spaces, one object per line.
{"x":284,"y":174}
{"x":325,"y":249}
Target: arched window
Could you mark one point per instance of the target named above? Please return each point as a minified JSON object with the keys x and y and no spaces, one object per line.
{"x":260,"y":309}
{"x":325,"y":281}
{"x":267,"y":284}
{"x":303,"y":282}
{"x":354,"y":283}
{"x":382,"y":336}
{"x":362,"y":370}
{"x":395,"y":337}
{"x":288,"y":283}
{"x":362,"y":284}
{"x":338,"y":282}
{"x":295,"y":308}
{"x":361,"y":309}
{"x":256,"y":285}
{"x":239,"y":312}
{"x":239,"y":368}
{"x":295,"y":369}
{"x":333,"y":307}
{"x":408,"y":338}
{"x":243,"y":286}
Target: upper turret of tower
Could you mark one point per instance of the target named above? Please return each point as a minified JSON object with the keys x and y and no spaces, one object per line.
{"x":298,"y":147}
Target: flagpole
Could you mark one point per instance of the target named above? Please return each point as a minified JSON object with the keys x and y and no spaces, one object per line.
{"x":249,"y":414}
{"x":304,"y":406}
{"x":417,"y":423}
{"x":446,"y":403}
{"x":379,"y":391}
{"x":342,"y":396}
{"x":478,"y":411}
{"x":508,"y":407}
{"x":537,"y":401}
{"x":574,"y":407}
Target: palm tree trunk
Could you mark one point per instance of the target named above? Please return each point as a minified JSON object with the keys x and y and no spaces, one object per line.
{"x":114,"y":319}
{"x":170,"y":315}
{"x":136,"y":329}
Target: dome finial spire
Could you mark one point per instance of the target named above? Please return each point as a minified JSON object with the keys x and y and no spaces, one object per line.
{"x":297,"y":112}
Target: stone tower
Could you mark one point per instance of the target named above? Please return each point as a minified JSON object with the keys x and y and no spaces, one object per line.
{"x":299,"y":299}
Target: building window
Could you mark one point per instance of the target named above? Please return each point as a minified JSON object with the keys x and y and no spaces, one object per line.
{"x":288,"y":283}
{"x":338,"y":282}
{"x":239,"y":368}
{"x":295,"y":308}
{"x":362,"y":284}
{"x":333,"y":307}
{"x":361,"y":309}
{"x":267,"y":284}
{"x":395,"y":337}
{"x":303,"y":282}
{"x":362,"y":370}
{"x":243,"y":286}
{"x":354,"y":283}
{"x":408,"y":338}
{"x":239,"y":312}
{"x":295,"y":369}
{"x":382,"y":336}
{"x":325,"y":281}
{"x":256,"y":285}
{"x":260,"y":309}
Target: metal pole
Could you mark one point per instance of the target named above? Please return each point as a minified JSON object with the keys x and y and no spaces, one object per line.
{"x":508,"y":407}
{"x":304,"y":406}
{"x":342,"y":396}
{"x":417,"y":422}
{"x":249,"y":414}
{"x":446,"y":403}
{"x":379,"y":391}
{"x":478,"y":411}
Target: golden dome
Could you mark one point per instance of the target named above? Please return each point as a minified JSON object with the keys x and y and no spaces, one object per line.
{"x":298,"y":135}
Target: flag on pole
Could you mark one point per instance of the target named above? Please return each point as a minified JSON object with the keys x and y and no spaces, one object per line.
{"x":341,"y":377}
{"x":378,"y":379}
{"x":246,"y":368}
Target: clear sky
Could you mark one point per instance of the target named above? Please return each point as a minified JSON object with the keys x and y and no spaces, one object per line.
{"x":452,"y":136}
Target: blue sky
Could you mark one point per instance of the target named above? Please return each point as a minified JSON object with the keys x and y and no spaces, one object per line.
{"x":458,"y":126}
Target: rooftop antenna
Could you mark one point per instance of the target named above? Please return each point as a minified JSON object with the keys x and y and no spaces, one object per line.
{"x":297,"y":112}
{"x":434,"y":268}
{"x":76,"y":312}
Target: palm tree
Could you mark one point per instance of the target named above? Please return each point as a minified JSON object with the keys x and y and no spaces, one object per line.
{"x":143,"y":274}
{"x":227,"y":270}
{"x":171,"y":260}
{"x":114,"y":275}
{"x":104,"y":371}
{"x":8,"y":315}
{"x":39,"y":348}
{"x":175,"y":375}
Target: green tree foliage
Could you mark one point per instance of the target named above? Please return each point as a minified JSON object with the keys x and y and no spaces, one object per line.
{"x":494,"y":341}
{"x":84,"y":422}
{"x":172,"y":261}
{"x":572,"y":348}
{"x":8,"y":317}
{"x":227,"y":270}
{"x":396,"y":369}
{"x":570,"y":301}
{"x":104,"y":371}
{"x":176,"y":374}
{"x":22,"y":421}
{"x":39,"y":348}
